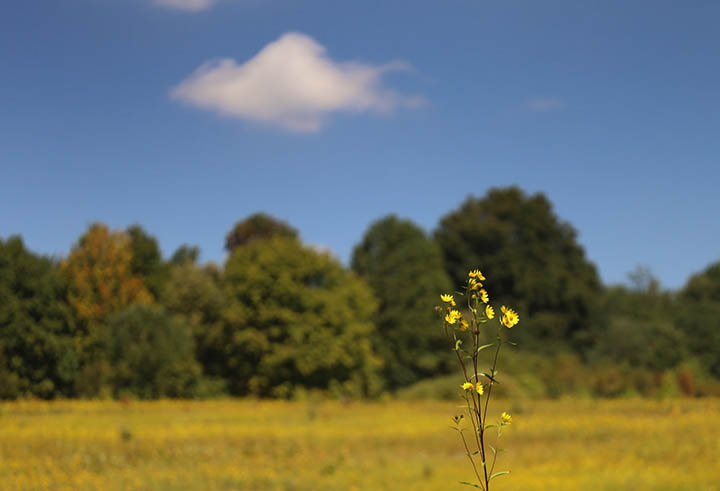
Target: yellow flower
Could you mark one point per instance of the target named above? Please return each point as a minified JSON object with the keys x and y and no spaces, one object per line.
{"x":476,"y":274}
{"x":467,"y":386}
{"x":484,"y":296}
{"x":489,"y":312}
{"x":453,"y":316}
{"x":463,"y":325}
{"x":474,"y":284}
{"x":506,"y":418}
{"x":447,"y":299}
{"x":510,"y":317}
{"x":479,"y":388}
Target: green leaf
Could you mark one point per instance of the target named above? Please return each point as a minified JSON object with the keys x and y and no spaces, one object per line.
{"x":485,"y":346}
{"x":498,"y":474}
{"x":490,"y":377}
{"x":457,"y":344}
{"x":490,"y":426}
{"x":471,"y":484}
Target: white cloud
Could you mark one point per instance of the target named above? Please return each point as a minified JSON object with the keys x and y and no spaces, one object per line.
{"x":546,"y":104}
{"x":291,"y":83}
{"x":189,"y":5}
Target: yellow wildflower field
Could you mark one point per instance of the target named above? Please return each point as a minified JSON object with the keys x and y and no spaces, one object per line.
{"x":323,"y":445}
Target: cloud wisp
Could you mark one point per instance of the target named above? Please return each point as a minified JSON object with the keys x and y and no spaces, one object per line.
{"x":188,"y":5}
{"x":293,"y":84}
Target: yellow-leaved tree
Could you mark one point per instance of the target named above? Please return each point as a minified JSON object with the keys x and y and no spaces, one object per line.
{"x":100,"y":282}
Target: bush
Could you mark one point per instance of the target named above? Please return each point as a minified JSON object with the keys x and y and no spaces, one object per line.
{"x":150,"y":354}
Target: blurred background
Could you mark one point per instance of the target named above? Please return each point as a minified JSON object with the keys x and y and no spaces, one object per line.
{"x":210,"y":199}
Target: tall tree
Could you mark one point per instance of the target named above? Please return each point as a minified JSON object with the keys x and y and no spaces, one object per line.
{"x":37,"y":350}
{"x":257,"y":226}
{"x":530,"y":257}
{"x":405,"y":270}
{"x":296,"y":318}
{"x":197,"y":295}
{"x":147,"y":261}
{"x":698,"y":316}
{"x":100,"y":281}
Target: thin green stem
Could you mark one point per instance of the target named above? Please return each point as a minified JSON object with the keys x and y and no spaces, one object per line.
{"x":472,"y":461}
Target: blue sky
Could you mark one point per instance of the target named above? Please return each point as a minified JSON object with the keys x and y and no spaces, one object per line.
{"x":188,"y":115}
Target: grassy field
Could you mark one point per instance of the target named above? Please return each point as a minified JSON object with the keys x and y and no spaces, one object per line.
{"x":558,"y":445}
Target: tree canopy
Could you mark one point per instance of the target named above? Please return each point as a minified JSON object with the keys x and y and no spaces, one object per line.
{"x":405,"y":270}
{"x":37,"y":348}
{"x":698,"y":316}
{"x":258,"y":226}
{"x":296,"y":318}
{"x":150,"y":354}
{"x":531,"y":258}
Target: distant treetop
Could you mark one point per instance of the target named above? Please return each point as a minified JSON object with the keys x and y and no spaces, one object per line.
{"x":258,"y":226}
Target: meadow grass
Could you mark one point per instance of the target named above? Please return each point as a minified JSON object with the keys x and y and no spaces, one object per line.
{"x":322,"y":445}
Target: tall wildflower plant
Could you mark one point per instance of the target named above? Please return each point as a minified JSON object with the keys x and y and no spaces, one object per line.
{"x":465,"y":333}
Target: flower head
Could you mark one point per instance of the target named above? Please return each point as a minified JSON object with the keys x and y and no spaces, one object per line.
{"x":489,"y":312}
{"x":447,"y":299}
{"x":453,"y":316}
{"x":484,"y":296}
{"x":506,"y":418}
{"x":479,"y":388}
{"x":475,"y":273}
{"x":463,"y":324}
{"x":467,"y":386}
{"x":510,"y":317}
{"x":474,"y":284}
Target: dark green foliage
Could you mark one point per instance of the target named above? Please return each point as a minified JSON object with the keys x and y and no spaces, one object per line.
{"x":150,"y":354}
{"x":698,"y":316}
{"x":531,"y":260}
{"x":197,"y":295}
{"x":405,"y":270}
{"x":185,"y":254}
{"x":257,"y":226}
{"x":296,"y":319}
{"x":147,"y":260}
{"x":37,"y":350}
{"x":636,"y":326}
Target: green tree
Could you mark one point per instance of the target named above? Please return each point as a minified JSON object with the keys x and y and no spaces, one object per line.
{"x":37,"y":351}
{"x":150,"y":354}
{"x":185,"y":254}
{"x":258,"y":226}
{"x":532,"y":258}
{"x":635,"y":326}
{"x":147,"y":261}
{"x":405,"y":270}
{"x":698,"y":316}
{"x":296,"y":318}
{"x":197,"y":295}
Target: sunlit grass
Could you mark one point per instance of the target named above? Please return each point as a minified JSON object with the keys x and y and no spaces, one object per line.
{"x":606,"y":445}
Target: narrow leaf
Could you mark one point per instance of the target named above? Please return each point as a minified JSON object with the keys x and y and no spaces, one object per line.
{"x":498,"y":474}
{"x":471,"y":484}
{"x":485,"y":346}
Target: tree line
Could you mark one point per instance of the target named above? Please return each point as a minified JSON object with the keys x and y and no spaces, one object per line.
{"x":115,"y":318}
